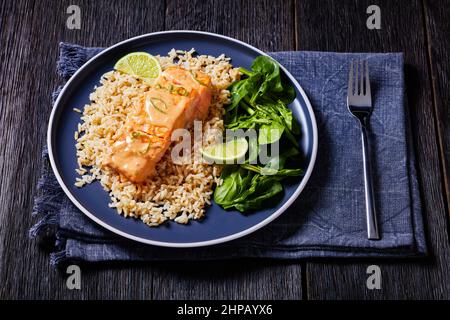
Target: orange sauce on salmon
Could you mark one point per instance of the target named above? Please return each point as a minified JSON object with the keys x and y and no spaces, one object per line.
{"x":175,"y":100}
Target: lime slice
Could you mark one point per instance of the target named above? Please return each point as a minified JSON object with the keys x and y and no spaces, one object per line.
{"x":228,"y":152}
{"x":139,"y":64}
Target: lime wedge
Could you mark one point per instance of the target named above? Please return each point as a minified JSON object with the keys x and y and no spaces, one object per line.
{"x":228,"y":152}
{"x":139,"y":64}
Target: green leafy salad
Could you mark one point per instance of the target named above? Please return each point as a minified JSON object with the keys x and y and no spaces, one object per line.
{"x":259,"y":102}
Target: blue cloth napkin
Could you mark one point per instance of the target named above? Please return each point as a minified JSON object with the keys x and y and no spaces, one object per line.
{"x":328,"y":219}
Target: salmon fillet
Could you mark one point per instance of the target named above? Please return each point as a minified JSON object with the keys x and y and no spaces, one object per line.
{"x":175,"y":100}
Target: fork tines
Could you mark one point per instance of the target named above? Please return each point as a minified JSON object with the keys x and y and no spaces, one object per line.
{"x":358,"y":80}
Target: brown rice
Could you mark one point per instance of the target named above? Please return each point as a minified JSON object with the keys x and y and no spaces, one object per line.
{"x":177,"y":192}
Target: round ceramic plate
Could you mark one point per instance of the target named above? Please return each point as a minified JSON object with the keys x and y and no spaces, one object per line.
{"x":219,"y":225}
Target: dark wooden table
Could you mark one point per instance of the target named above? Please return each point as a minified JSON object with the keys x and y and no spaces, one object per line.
{"x":30,"y":33}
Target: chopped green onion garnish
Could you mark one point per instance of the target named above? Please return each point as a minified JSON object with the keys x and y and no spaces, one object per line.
{"x":182,"y":91}
{"x":156,"y":107}
{"x":140,"y":133}
{"x":147,"y":149}
{"x":193,"y":77}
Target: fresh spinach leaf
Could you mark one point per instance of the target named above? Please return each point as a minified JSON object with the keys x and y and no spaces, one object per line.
{"x":259,"y":102}
{"x":229,"y":189}
{"x":270,"y":133}
{"x":271,"y":72}
{"x":243,"y":88}
{"x":265,"y":189}
{"x":253,"y":150}
{"x":286,"y":96}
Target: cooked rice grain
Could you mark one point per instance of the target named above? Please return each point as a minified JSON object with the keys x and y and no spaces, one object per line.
{"x":177,"y":192}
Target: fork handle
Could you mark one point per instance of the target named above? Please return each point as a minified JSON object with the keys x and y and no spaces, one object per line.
{"x":371,"y":215}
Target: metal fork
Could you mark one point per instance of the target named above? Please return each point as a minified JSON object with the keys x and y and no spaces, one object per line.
{"x":359,"y":103}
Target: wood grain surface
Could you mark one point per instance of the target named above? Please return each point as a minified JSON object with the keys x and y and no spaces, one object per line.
{"x":30,"y":33}
{"x":438,"y":28}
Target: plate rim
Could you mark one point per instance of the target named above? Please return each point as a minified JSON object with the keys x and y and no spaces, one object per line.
{"x":228,"y":238}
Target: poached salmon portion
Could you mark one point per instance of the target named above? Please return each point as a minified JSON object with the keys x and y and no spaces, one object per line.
{"x":175,"y":100}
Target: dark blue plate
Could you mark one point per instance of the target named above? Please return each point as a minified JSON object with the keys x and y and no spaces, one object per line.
{"x":219,"y":225}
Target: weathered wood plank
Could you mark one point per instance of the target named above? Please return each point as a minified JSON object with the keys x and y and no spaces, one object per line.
{"x":341,"y":26}
{"x":269,"y":26}
{"x":240,"y":279}
{"x":11,"y":52}
{"x":31,"y":32}
{"x":438,"y":29}
{"x":265,"y":24}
